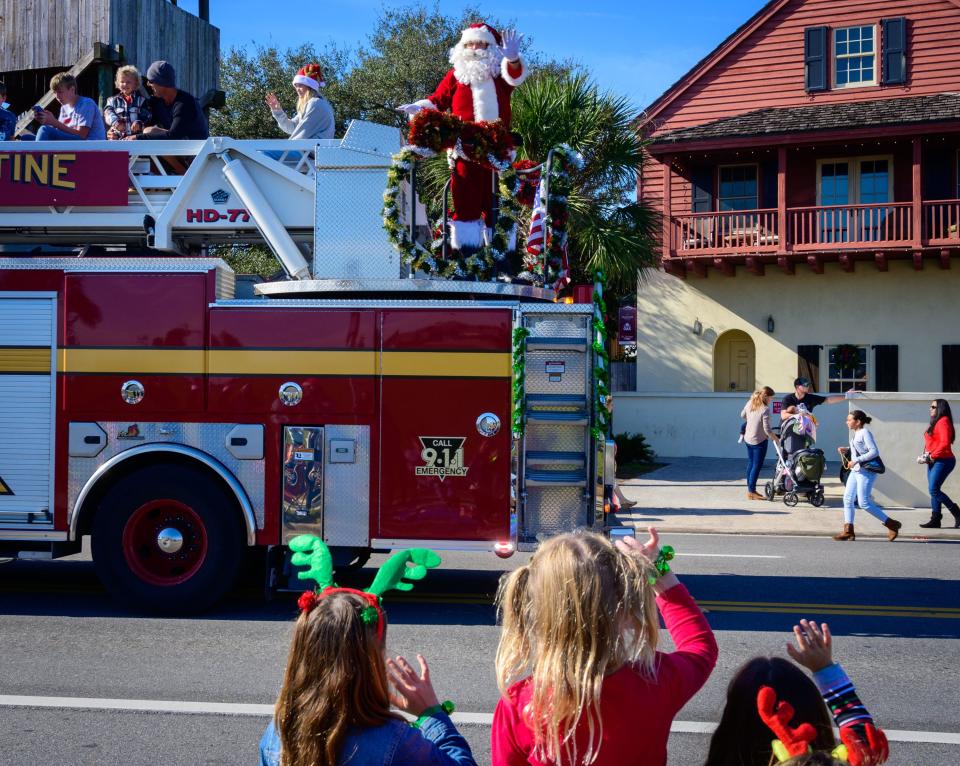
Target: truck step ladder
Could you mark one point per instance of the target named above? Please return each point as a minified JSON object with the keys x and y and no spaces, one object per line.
{"x":556,"y":465}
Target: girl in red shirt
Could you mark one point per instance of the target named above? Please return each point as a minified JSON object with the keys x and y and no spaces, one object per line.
{"x":581,"y":678}
{"x":940,"y":461}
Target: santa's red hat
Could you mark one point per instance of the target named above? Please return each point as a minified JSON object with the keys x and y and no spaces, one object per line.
{"x":481,"y":33}
{"x":311,"y":76}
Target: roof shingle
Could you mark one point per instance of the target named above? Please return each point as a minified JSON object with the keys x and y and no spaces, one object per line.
{"x":941,"y":107}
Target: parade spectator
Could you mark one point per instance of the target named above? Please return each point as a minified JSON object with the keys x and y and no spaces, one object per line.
{"x":757,"y":436}
{"x":8,"y":120}
{"x":314,"y":115}
{"x":334,"y":705}
{"x":176,"y":113}
{"x":865,"y":463}
{"x":744,"y":736}
{"x":80,"y":118}
{"x":802,"y":396}
{"x":128,"y":112}
{"x":940,"y":460}
{"x":580,"y":622}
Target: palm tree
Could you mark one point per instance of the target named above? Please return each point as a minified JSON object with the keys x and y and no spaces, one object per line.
{"x":608,"y":230}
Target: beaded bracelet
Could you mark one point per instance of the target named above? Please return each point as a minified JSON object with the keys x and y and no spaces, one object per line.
{"x":444,"y":707}
{"x":661,"y":564}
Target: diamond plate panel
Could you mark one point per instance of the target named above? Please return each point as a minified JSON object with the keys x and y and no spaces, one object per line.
{"x":349,"y":239}
{"x":552,"y":510}
{"x":346,"y":493}
{"x":554,"y":326}
{"x":208,"y":437}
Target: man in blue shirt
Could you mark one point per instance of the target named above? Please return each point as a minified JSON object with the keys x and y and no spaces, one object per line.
{"x":80,"y":118}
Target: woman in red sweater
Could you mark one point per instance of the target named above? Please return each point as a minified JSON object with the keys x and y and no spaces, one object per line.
{"x":940,"y":461}
{"x":581,"y":678}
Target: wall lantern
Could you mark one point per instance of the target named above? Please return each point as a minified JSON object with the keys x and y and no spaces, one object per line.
{"x":770,"y":325}
{"x":697,"y":327}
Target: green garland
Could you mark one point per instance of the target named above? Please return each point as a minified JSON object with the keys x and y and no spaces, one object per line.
{"x":520,"y":335}
{"x":601,"y":362}
{"x":418,"y":257}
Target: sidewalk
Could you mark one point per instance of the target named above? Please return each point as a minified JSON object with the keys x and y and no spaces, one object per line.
{"x":708,"y":495}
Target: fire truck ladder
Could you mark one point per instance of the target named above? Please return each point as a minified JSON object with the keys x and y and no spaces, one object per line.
{"x":183,"y":196}
{"x":556,"y":447}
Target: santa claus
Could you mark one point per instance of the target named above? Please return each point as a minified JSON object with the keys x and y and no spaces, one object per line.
{"x":487,"y":66}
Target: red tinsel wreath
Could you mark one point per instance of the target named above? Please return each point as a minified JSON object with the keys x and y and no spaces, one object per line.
{"x":527,"y":190}
{"x":438,"y":131}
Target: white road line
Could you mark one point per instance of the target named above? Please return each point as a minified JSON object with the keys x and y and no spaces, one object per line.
{"x":730,"y":555}
{"x":264,"y":711}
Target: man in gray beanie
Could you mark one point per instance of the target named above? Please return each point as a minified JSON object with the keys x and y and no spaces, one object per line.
{"x":176,"y":113}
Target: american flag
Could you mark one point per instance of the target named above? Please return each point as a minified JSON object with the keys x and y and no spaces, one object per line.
{"x":535,"y":235}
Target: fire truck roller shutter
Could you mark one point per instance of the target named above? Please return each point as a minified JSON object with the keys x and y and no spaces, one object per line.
{"x":167,"y":538}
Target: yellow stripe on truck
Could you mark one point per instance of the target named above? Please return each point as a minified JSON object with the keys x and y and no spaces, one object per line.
{"x":281,"y":362}
{"x":24,"y":360}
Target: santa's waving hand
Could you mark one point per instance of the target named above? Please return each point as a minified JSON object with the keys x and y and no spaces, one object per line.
{"x":487,"y":66}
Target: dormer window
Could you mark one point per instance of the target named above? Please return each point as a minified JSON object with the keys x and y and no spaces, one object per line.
{"x":854,"y":57}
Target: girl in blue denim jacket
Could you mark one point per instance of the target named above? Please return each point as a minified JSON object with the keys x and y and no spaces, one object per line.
{"x":334,"y":706}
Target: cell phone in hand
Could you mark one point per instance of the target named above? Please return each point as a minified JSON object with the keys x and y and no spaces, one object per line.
{"x":618,"y":533}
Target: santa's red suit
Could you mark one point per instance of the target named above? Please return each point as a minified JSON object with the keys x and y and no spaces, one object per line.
{"x":483,"y":98}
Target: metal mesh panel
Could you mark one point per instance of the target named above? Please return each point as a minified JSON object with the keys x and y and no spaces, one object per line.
{"x":572,"y":381}
{"x":551,"y":510}
{"x":556,"y":326}
{"x":346,"y":490}
{"x":554,"y":437}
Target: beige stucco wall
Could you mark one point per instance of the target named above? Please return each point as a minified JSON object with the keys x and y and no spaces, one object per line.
{"x":916,"y":310}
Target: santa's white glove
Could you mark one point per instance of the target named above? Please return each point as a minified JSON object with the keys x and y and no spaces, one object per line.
{"x":511,"y":44}
{"x":410,"y":109}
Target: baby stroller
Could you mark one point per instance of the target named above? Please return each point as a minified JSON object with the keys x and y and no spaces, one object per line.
{"x":800,"y":465}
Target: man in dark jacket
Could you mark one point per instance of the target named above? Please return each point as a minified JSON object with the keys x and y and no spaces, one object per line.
{"x":176,"y":113}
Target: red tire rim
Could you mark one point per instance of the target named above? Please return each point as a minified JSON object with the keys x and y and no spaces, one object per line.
{"x":142,"y":549}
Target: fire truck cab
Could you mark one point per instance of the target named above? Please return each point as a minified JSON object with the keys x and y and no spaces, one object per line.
{"x":144,"y":404}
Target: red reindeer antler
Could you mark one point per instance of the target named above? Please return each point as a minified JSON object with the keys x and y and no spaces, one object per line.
{"x":873,"y":752}
{"x":777,"y":717}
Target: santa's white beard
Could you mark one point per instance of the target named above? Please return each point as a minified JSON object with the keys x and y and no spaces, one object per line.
{"x":472,"y":66}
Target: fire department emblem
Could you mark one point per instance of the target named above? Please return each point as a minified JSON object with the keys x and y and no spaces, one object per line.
{"x":5,"y":488}
{"x":220,"y":197}
{"x":442,"y":456}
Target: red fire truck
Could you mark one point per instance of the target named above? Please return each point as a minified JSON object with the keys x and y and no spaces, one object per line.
{"x":144,"y":404}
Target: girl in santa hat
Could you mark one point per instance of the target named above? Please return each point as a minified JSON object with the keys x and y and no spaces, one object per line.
{"x":314,"y":115}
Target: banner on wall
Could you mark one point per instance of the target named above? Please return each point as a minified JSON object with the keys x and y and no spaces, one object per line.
{"x":79,"y":178}
{"x":627,"y":325}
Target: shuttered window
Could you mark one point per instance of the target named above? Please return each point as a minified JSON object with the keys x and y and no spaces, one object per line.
{"x":854,"y":57}
{"x":701,"y":191}
{"x":808,"y":364}
{"x":886,"y":368}
{"x":815,"y":58}
{"x":951,"y":368}
{"x":894,"y":51}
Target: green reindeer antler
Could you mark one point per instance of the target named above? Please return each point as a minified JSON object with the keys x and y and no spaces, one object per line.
{"x":394,"y":573}
{"x":310,"y":551}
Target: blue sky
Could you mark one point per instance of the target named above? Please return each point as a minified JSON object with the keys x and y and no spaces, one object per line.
{"x":634,"y":49}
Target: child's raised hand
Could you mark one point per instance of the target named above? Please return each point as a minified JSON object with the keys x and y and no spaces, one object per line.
{"x":412,"y":692}
{"x":814,"y":648}
{"x":649,"y":550}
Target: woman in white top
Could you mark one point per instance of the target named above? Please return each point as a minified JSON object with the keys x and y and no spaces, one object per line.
{"x":757,"y":434}
{"x":314,"y":115}
{"x":863,"y":452}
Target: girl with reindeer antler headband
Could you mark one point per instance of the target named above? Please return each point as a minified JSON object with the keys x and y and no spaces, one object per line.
{"x":334,"y":705}
{"x":774,"y":714}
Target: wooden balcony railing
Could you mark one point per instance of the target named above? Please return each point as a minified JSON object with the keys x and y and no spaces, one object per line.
{"x":837,"y":227}
{"x":824,"y":227}
{"x":729,"y":231}
{"x":941,"y":222}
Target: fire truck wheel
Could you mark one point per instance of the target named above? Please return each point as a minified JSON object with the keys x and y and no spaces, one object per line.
{"x":166,"y":538}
